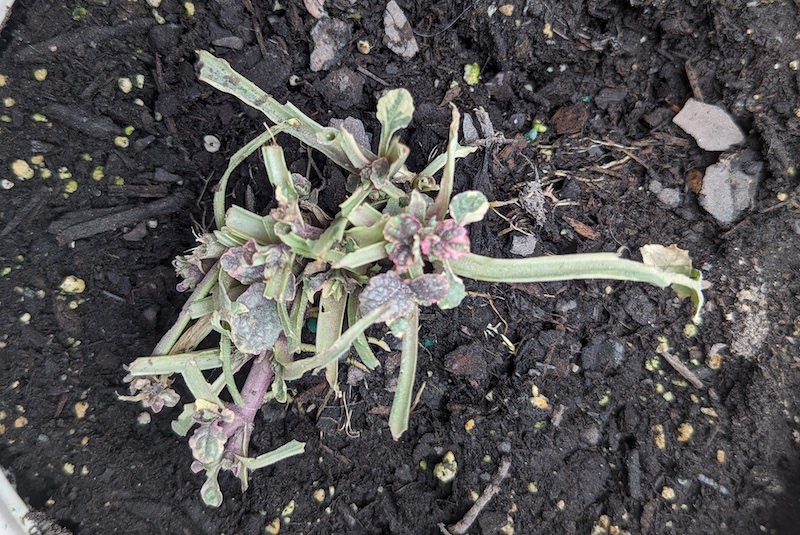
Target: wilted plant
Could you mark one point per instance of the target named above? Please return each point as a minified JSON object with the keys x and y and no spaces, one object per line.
{"x":391,"y":249}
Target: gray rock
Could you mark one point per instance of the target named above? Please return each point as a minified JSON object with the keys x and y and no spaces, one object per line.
{"x":233,"y":42}
{"x":399,"y":37}
{"x":523,"y":245}
{"x":610,"y":96}
{"x":355,"y":127}
{"x":602,"y":352}
{"x":670,"y":196}
{"x":730,"y":185}
{"x":343,"y":88}
{"x":330,"y":37}
{"x":712,"y":127}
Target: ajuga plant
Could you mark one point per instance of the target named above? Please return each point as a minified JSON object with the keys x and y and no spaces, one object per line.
{"x":399,"y":242}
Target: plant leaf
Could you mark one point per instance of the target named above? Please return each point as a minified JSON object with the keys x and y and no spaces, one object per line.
{"x":210,"y":491}
{"x":468,"y":207}
{"x":395,"y":110}
{"x":455,"y":293}
{"x":256,"y":328}
{"x":208,"y":442}
{"x":449,"y":241}
{"x":387,"y":288}
{"x":671,"y":258}
{"x":429,"y":289}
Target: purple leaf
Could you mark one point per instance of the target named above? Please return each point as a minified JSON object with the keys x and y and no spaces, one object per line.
{"x":387,"y":288}
{"x":401,"y":228}
{"x":449,"y":241}
{"x":401,"y":255}
{"x":256,"y":329}
{"x":238,"y":263}
{"x":429,"y":289}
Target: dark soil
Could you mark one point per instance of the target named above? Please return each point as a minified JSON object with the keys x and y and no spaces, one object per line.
{"x":607,"y":83}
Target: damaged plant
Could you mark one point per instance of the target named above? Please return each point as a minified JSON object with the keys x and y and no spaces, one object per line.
{"x":391,"y":249}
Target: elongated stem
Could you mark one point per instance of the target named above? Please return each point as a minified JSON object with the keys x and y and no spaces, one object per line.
{"x":240,"y":156}
{"x":291,"y":448}
{"x":574,"y":267}
{"x":218,"y":73}
{"x":255,"y":387}
{"x":401,"y":405}
{"x":296,"y":369}
{"x":329,"y":327}
{"x":206,"y":359}
{"x":167,"y":341}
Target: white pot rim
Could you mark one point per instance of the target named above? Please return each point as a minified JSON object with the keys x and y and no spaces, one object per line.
{"x":12,"y":509}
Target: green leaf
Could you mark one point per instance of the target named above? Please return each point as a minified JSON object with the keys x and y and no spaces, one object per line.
{"x":455,"y":293}
{"x":448,"y":175}
{"x":208,"y":442}
{"x":468,"y":207}
{"x":584,"y":266}
{"x":210,"y":491}
{"x":281,"y":179}
{"x":395,"y":110}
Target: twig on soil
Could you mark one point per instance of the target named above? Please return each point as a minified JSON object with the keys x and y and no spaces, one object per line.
{"x":30,"y":208}
{"x":256,"y":28}
{"x":449,"y":25}
{"x":92,"y":226}
{"x":488,"y":493}
{"x":691,"y":74}
{"x":681,"y":368}
{"x":365,"y":72}
{"x":66,"y":43}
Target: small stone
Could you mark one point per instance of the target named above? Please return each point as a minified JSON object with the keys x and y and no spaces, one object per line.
{"x":602,"y":353}
{"x":729,"y":186}
{"x":125,"y":85}
{"x":80,"y":409}
{"x":22,"y":170}
{"x":211,"y":143}
{"x":670,"y":196}
{"x":233,"y":42}
{"x":591,"y":435}
{"x":399,"y":36}
{"x":330,"y":37}
{"x":72,"y":285}
{"x":711,"y":126}
{"x":161,"y":175}
{"x":343,"y":88}
{"x":144,"y":418}
{"x":506,"y":10}
{"x":355,"y":127}
{"x":467,"y":360}
{"x":610,"y":96}
{"x":685,"y":432}
{"x":523,"y":245}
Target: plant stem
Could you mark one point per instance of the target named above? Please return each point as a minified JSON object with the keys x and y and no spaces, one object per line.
{"x":255,"y":387}
{"x":558,"y":268}
{"x":401,"y":405}
{"x":574,"y":267}
{"x":167,"y":342}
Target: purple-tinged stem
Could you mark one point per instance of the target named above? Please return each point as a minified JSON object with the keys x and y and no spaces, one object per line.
{"x":255,"y":388}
